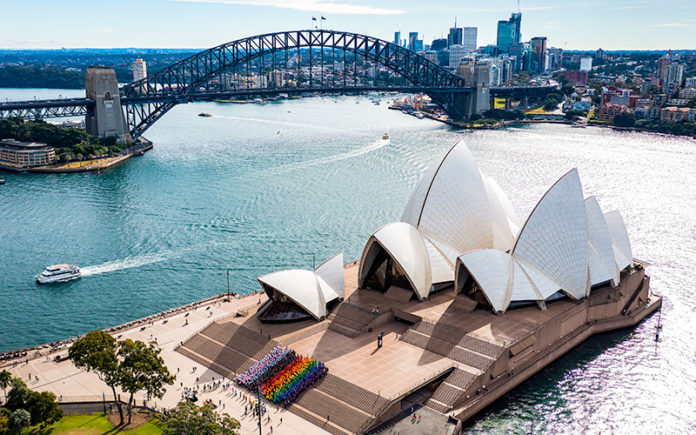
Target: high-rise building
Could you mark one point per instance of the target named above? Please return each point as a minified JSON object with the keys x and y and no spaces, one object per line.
{"x":539,"y":49}
{"x":412,"y":38}
{"x":469,"y":39}
{"x":456,"y":54}
{"x":662,"y":64}
{"x":555,"y":58}
{"x":585,"y":63}
{"x":455,"y":35}
{"x":673,"y":78}
{"x":600,"y":54}
{"x":140,"y":72}
{"x":397,"y":38}
{"x":509,"y":32}
{"x":439,"y":44}
{"x":431,"y":55}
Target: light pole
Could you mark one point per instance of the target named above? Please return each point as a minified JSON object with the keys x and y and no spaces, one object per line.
{"x":228,"y":283}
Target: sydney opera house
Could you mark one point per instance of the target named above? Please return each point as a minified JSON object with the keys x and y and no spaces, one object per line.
{"x":471,"y":300}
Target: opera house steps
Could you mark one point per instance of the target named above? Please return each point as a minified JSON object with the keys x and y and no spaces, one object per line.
{"x":351,"y":320}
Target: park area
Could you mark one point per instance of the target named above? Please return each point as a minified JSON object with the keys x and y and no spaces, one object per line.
{"x":94,"y":424}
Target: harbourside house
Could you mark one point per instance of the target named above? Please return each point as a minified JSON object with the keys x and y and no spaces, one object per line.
{"x":18,"y":155}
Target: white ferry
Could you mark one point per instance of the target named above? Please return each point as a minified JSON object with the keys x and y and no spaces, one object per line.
{"x":59,"y":273}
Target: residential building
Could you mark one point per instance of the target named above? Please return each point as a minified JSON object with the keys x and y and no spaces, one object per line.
{"x":608,"y":111}
{"x":139,"y":72}
{"x":687,"y":93}
{"x":276,"y":78}
{"x":646,"y":86}
{"x":16,"y":154}
{"x":585,"y":63}
{"x":599,"y":54}
{"x":554,"y":58}
{"x":455,"y":35}
{"x":575,"y":77}
{"x":583,"y":105}
{"x":469,"y":39}
{"x":690,"y":82}
{"x":672,"y":78}
{"x":674,"y":114}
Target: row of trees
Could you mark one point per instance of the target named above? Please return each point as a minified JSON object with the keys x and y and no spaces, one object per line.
{"x":70,"y":143}
{"x":23,"y":407}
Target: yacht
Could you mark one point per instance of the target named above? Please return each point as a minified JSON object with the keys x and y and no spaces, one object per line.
{"x":59,"y":273}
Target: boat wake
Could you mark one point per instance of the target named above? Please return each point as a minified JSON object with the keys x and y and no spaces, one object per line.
{"x":126,"y":263}
{"x":374,"y":146}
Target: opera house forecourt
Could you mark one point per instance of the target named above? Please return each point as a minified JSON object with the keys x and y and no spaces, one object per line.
{"x":446,"y":311}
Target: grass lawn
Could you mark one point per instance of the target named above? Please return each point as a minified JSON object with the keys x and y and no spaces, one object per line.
{"x":93,"y":424}
{"x":85,"y":163}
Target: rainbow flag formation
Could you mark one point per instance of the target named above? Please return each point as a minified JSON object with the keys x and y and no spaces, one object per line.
{"x":281,"y":375}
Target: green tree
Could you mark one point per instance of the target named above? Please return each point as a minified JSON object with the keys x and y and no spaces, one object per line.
{"x":188,"y":418}
{"x":96,"y":352}
{"x":5,"y":381}
{"x":4,"y":421}
{"x":142,"y":369}
{"x":19,"y":419}
{"x":43,"y":408}
{"x":625,"y":119}
{"x":18,"y":395}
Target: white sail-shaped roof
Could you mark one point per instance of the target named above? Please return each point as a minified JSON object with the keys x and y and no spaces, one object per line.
{"x":619,"y":239}
{"x":406,"y":247}
{"x":453,"y":209}
{"x":601,"y":254}
{"x":567,"y":245}
{"x":331,"y":276}
{"x":311,"y":290}
{"x":554,"y":238}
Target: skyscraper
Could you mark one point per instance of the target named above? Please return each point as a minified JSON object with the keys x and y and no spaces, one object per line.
{"x":397,"y":38}
{"x":539,"y":49}
{"x":469,"y":40}
{"x":455,"y":35}
{"x":673,"y":78}
{"x":509,"y":32}
{"x":439,"y":44}
{"x":412,"y":38}
{"x":140,"y":72}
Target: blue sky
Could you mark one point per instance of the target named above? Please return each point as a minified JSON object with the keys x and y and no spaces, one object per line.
{"x":581,"y":24}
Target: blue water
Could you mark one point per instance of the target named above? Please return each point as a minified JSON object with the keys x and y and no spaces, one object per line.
{"x":257,"y":188}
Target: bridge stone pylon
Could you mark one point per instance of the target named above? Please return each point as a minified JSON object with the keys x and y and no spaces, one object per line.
{"x":105,"y":118}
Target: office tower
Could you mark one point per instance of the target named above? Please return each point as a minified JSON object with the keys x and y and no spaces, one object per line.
{"x":509,"y":32}
{"x":539,"y":50}
{"x":455,"y":35}
{"x":397,"y":38}
{"x":469,"y":39}
{"x":412,"y":38}
{"x":439,"y":44}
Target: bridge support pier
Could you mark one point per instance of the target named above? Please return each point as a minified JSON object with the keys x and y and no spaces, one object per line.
{"x":106,"y":118}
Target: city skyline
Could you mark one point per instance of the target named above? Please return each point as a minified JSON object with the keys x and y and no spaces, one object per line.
{"x":571,"y":25}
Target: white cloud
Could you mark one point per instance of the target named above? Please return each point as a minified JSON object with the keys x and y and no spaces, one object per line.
{"x":323,"y":6}
{"x":671,"y":25}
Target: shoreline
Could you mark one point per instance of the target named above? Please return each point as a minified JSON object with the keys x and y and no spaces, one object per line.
{"x":17,"y":356}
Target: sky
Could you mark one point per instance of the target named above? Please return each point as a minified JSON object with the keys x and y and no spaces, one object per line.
{"x":571,"y":25}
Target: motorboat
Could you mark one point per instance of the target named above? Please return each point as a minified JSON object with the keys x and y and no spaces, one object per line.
{"x":59,"y":273}
{"x":205,"y":115}
{"x":385,"y":137}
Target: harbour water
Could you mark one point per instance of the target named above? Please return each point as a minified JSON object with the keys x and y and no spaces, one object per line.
{"x":257,"y":188}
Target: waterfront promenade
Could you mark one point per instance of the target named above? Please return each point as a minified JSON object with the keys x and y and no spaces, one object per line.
{"x":43,"y":373}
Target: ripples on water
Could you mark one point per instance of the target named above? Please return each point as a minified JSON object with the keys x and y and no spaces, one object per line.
{"x":257,"y":188}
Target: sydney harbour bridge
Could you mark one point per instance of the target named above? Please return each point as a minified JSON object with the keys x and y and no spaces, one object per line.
{"x":320,"y":61}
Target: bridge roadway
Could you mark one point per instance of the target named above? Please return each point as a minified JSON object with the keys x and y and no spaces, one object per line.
{"x":66,"y":107}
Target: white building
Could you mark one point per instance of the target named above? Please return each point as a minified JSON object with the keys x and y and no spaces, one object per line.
{"x":139,"y":71}
{"x":295,"y":294}
{"x":459,"y":226}
{"x":454,"y":209}
{"x":690,"y":82}
{"x":456,"y":54}
{"x":469,"y":39}
{"x":585,"y":63}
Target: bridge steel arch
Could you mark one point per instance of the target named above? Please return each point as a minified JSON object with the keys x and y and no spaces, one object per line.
{"x":149,"y":99}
